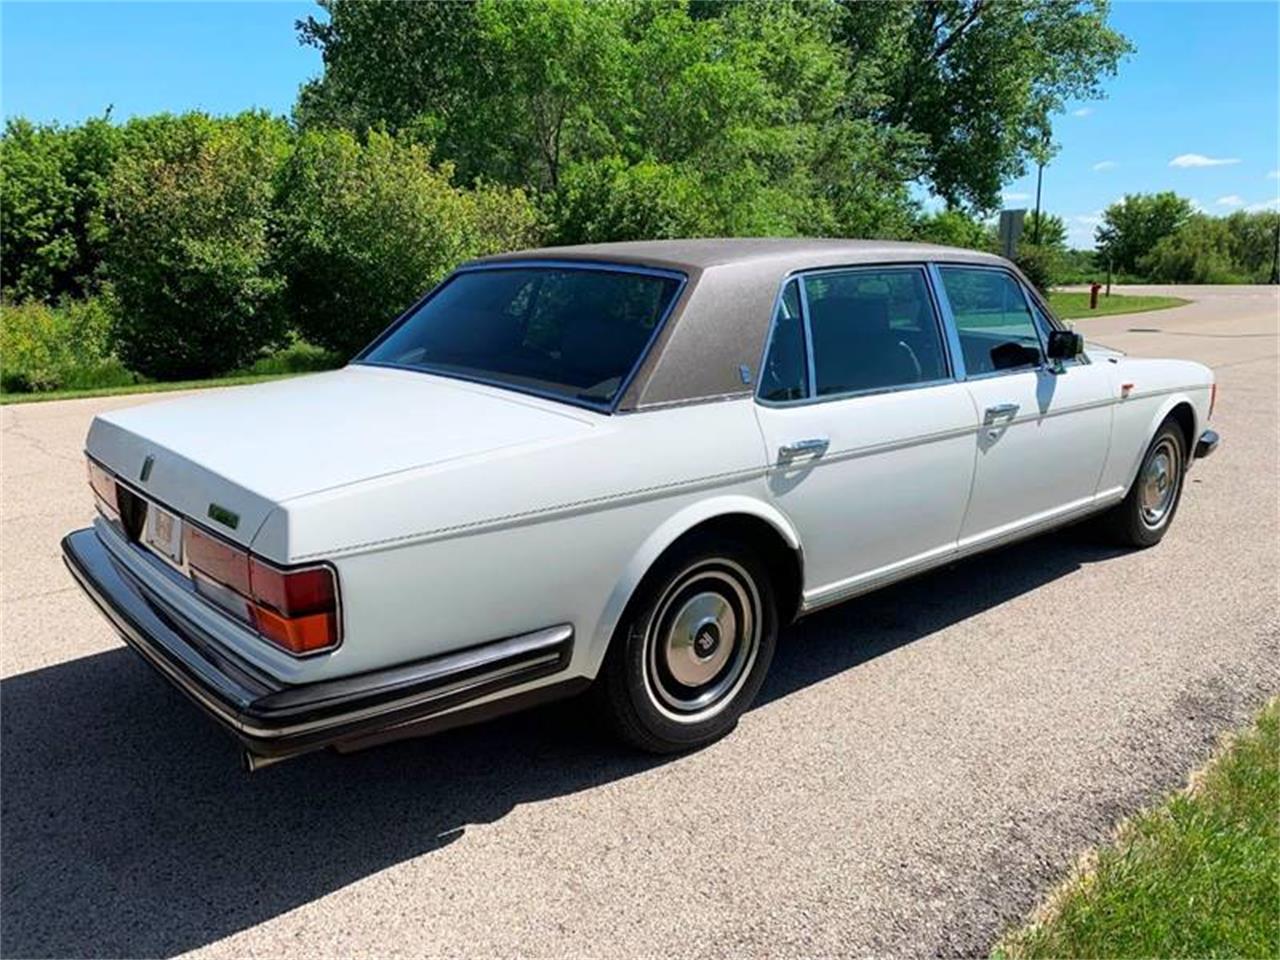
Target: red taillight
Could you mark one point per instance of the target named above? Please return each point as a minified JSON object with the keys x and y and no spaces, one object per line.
{"x":226,"y":565}
{"x":103,"y":485}
{"x":1213,"y":397}
{"x":296,"y":610}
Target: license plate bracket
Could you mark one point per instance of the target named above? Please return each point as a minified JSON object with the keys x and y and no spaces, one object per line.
{"x":162,"y":533}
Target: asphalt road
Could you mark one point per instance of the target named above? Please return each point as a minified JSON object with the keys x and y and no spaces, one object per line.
{"x":922,"y":766}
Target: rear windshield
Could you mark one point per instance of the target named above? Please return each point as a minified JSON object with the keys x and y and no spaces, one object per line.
{"x":571,"y":333}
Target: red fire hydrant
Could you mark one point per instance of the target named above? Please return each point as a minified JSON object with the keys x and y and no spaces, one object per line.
{"x":1093,"y":295}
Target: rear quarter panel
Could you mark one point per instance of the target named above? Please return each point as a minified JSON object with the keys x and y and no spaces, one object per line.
{"x":455,"y":555}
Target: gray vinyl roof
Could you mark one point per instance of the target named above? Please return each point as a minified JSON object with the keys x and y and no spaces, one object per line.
{"x":699,"y":254}
{"x":721,"y":321}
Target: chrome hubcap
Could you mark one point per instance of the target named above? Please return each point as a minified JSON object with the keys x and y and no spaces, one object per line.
{"x":702,"y":640}
{"x":1159,"y":483}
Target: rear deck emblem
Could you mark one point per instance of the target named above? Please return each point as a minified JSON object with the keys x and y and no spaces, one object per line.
{"x":224,"y":516}
{"x":147,"y":464}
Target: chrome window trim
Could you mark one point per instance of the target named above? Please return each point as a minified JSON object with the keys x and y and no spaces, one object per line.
{"x":601,"y":266}
{"x":768,"y":343}
{"x":1042,"y":366}
{"x":951,"y":361}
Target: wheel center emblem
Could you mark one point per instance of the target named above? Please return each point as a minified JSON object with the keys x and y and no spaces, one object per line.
{"x":706,"y":640}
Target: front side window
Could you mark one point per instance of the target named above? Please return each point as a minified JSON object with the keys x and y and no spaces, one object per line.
{"x":785,"y":375}
{"x":996,"y":329}
{"x":873,"y":329}
{"x":574,"y":333}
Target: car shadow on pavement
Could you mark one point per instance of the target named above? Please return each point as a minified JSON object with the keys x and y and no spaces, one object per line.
{"x":128,"y":829}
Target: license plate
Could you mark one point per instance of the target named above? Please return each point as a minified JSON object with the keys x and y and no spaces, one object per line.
{"x":163,"y":533}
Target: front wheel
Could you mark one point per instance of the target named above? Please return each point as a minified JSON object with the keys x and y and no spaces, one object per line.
{"x":694,"y":648}
{"x":1143,"y":516}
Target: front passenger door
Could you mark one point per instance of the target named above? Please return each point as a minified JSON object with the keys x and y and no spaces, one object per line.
{"x":869,"y":433}
{"x":1043,"y":435}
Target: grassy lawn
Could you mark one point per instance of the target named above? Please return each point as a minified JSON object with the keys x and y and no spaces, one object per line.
{"x":148,"y":387}
{"x":1075,"y":306}
{"x":113,"y":380}
{"x":1196,"y":877}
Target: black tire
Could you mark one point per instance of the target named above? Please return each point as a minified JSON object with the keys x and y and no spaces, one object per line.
{"x":707,"y":609}
{"x":1143,"y":517}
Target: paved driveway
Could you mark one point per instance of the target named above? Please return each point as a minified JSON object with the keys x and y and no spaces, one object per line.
{"x":922,"y":764}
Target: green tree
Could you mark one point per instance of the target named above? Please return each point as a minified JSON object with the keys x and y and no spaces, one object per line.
{"x":979,"y":80}
{"x":1254,"y":238}
{"x":366,"y":228}
{"x":1131,"y":228}
{"x":955,"y":228}
{"x":747,"y":103}
{"x":1050,"y":232}
{"x":52,"y":228}
{"x":190,"y":206}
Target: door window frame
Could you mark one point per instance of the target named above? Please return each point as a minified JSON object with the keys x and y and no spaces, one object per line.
{"x":952,"y":361}
{"x":1032,"y":303}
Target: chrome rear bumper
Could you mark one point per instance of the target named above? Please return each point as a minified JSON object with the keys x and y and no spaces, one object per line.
{"x":275,"y":720}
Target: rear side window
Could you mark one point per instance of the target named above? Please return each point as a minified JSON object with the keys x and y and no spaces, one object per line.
{"x":996,"y":329}
{"x":873,"y":329}
{"x":576,"y":333}
{"x":785,"y":375}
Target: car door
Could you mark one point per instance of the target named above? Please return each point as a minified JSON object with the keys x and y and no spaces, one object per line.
{"x":1045,"y":428}
{"x":869,"y":433}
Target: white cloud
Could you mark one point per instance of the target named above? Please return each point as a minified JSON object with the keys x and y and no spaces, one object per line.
{"x":1272,"y":204}
{"x":1082,"y":112}
{"x":1200,"y":160}
{"x":1013,"y":195}
{"x":1088,"y":219}
{"x":1104,"y":165}
{"x":1230,"y":200}
{"x":1274,"y":175}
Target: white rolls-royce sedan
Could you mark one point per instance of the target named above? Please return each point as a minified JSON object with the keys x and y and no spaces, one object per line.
{"x":624,"y":466}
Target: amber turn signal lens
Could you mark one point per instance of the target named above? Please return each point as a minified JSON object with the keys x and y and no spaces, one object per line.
{"x":316,"y":631}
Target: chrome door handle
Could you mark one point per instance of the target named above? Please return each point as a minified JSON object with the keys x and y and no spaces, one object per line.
{"x":815,"y":447}
{"x":999,"y":412}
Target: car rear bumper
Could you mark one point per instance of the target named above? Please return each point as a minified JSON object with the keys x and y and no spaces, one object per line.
{"x":1207,"y":443}
{"x":275,"y":720}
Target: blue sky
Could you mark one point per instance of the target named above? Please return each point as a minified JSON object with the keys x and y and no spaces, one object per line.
{"x":1196,"y":109}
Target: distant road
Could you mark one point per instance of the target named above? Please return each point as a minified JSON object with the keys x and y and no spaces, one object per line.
{"x":923,"y":765}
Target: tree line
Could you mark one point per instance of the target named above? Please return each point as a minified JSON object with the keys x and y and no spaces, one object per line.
{"x":443,"y":131}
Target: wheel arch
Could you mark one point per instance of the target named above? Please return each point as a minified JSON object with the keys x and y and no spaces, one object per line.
{"x":1179,"y":408}
{"x":763,"y":525}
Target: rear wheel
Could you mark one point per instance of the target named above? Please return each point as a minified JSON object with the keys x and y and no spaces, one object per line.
{"x":694,"y":648}
{"x":1143,"y":516}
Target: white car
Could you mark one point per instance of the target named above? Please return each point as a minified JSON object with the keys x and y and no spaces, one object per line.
{"x":624,"y":466}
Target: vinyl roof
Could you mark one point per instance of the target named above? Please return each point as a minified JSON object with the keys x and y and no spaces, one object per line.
{"x":701,"y":254}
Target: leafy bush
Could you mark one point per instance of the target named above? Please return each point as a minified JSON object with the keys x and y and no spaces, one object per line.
{"x":1041,"y":265}
{"x":191,"y":203}
{"x":365,"y":229}
{"x":67,"y":347}
{"x":609,"y":200}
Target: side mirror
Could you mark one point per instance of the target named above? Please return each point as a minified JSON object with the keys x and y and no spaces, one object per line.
{"x":1065,"y":344}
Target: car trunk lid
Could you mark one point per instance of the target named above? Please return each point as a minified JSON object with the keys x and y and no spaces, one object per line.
{"x":228,"y":457}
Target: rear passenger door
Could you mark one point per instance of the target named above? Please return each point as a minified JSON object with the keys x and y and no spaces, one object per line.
{"x":870,"y":435}
{"x":1044,"y":432}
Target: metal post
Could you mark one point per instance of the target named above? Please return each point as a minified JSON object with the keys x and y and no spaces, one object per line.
{"x":1108,"y":274}
{"x":1039,"y":179}
{"x":1275,"y":256}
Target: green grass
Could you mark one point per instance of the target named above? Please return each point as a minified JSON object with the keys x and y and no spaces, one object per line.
{"x":111,"y":379}
{"x":1075,"y":306}
{"x":1197,"y":877}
